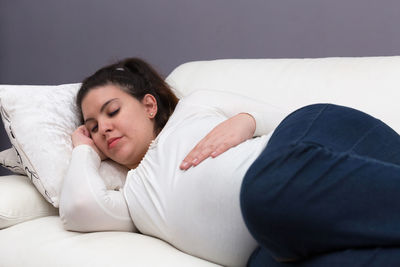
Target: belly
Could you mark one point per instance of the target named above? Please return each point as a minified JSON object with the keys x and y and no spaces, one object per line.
{"x":203,"y":208}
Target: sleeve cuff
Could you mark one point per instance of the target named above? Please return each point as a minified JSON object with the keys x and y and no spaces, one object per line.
{"x":261,"y":126}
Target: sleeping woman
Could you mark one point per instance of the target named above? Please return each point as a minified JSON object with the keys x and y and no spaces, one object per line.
{"x":233,"y":180}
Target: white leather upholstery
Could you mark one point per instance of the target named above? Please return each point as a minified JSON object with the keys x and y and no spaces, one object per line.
{"x":44,"y":242}
{"x":20,"y":201}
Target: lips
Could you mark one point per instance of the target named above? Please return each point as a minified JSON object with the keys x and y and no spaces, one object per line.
{"x":112,"y":142}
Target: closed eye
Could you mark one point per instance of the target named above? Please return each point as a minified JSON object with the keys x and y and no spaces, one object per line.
{"x":113,"y":113}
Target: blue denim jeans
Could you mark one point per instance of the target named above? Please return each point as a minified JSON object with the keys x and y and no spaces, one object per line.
{"x":325,"y":191}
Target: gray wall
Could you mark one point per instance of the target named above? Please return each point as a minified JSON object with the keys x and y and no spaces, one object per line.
{"x":52,"y":42}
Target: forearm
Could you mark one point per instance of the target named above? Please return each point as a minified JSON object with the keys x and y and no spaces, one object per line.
{"x":85,"y":203}
{"x":267,"y":116}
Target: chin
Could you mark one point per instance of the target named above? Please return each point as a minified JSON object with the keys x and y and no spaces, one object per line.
{"x":122,"y":158}
{"x":118,"y":160}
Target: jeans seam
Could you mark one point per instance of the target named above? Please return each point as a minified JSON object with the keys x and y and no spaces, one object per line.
{"x":351,"y":150}
{"x":312,"y":122}
{"x":350,"y":154}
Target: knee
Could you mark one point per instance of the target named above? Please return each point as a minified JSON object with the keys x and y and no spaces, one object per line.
{"x":270,"y":219}
{"x":262,"y":203}
{"x":268,"y":210}
{"x":275,"y":194}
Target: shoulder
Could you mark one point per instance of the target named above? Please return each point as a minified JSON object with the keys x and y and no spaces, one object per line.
{"x":197,"y":96}
{"x":195,"y":102}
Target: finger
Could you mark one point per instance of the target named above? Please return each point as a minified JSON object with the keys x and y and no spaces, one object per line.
{"x":205,"y":153}
{"x":220,"y":149}
{"x":185,"y":165}
{"x":187,"y":161}
{"x":196,"y":155}
{"x":190,"y":157}
{"x":84,"y":130}
{"x":79,"y":130}
{"x":199,"y":157}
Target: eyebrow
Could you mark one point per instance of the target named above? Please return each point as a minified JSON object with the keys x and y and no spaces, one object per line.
{"x":101,"y":109}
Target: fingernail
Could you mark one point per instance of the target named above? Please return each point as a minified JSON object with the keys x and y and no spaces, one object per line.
{"x":213,"y":154}
{"x":195,"y":161}
{"x":184,"y":165}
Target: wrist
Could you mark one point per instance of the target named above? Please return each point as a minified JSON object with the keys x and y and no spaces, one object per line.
{"x":76,"y":144}
{"x":252,"y":121}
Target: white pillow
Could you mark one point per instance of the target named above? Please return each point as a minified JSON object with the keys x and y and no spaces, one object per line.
{"x":9,"y":160}
{"x":39,"y":121}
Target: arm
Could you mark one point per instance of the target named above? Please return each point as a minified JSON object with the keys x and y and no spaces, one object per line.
{"x":85,"y":203}
{"x":267,"y":116}
{"x":247,"y":118}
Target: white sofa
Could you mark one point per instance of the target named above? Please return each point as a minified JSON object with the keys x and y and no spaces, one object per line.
{"x":32,"y":233}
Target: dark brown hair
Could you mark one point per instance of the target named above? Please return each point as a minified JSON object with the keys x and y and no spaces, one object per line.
{"x":138,"y":78}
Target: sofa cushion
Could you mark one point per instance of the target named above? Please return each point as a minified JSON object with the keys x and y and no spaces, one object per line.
{"x":44,"y":242}
{"x":9,"y":160}
{"x":39,"y":121}
{"x":370,"y":84}
{"x":20,"y":201}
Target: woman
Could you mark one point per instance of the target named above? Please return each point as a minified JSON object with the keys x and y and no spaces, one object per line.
{"x":290,"y":190}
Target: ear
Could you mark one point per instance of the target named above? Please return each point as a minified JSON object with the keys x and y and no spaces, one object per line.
{"x":150,"y":104}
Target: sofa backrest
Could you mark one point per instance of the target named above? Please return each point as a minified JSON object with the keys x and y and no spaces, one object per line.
{"x":371,"y":84}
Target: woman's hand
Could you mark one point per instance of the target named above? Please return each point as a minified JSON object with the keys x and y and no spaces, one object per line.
{"x":225,"y":135}
{"x":81,"y":136}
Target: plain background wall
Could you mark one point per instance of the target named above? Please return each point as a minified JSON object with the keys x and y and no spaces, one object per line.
{"x":53,"y":42}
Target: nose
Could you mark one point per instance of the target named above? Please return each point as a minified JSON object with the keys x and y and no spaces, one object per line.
{"x":105,"y":126}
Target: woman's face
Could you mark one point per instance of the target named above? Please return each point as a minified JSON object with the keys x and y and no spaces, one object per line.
{"x":121,"y":126}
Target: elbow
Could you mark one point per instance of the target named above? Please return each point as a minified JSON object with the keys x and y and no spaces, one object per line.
{"x":72,"y":215}
{"x":82,"y":215}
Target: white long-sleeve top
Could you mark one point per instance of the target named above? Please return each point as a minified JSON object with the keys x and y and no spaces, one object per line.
{"x":197,"y":210}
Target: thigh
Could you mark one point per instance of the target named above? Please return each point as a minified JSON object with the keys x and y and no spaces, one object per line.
{"x":340,"y":129}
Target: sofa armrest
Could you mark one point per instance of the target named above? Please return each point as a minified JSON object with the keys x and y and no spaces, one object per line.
{"x":20,"y":201}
